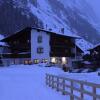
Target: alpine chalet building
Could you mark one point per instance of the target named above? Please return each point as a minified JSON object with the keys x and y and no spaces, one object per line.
{"x":35,"y":45}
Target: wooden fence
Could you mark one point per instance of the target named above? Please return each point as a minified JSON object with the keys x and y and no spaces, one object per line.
{"x":63,"y":84}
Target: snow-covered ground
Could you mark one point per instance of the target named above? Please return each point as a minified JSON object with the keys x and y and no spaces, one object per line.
{"x":27,"y":82}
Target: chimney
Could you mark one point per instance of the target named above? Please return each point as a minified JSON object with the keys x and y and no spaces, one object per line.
{"x":62,"y":30}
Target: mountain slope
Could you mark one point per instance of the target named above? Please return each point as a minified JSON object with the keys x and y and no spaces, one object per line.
{"x":76,"y":17}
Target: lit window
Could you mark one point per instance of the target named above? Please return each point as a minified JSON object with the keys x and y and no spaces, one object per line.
{"x":39,"y":39}
{"x":26,"y":62}
{"x":40,"y":50}
{"x":53,"y":60}
{"x":30,"y":62}
{"x":64,"y":61}
{"x":36,"y":61}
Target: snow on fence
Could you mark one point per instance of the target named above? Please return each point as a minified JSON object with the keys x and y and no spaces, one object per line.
{"x":67,"y":87}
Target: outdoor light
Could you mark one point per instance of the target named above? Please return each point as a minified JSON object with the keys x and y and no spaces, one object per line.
{"x":53,"y":60}
{"x":63,"y":60}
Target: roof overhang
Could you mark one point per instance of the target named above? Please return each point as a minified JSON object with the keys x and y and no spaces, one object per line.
{"x":40,"y":29}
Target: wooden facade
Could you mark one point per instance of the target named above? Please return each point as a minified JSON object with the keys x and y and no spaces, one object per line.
{"x":18,"y":43}
{"x":61,"y":46}
{"x":94,"y":50}
{"x":95,"y":56}
{"x":22,"y":42}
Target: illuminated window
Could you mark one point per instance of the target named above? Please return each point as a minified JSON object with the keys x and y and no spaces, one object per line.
{"x":36,"y":61}
{"x":53,"y":60}
{"x":40,"y":50}
{"x":30,"y":62}
{"x":26,"y":62}
{"x":64,"y":60}
{"x":39,"y":39}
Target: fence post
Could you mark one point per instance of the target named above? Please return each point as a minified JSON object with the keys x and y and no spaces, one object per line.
{"x":82,"y":96}
{"x":94,"y":93}
{"x":52,"y":80}
{"x":57,"y":83}
{"x":71,"y":96}
{"x":46,"y":79}
{"x":49,"y":80}
{"x":63,"y":83}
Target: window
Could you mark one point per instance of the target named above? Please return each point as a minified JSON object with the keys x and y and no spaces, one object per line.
{"x":40,"y":50}
{"x":39,"y":39}
{"x":44,"y":60}
{"x":53,"y":60}
{"x":64,"y":60}
{"x":26,"y":62}
{"x":36,"y":61}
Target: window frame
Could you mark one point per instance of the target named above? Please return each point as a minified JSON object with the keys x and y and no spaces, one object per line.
{"x":40,"y":39}
{"x":40,"y":50}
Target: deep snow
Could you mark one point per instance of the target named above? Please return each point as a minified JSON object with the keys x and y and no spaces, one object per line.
{"x":27,"y":82}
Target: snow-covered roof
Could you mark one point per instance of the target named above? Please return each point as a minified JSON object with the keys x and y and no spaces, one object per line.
{"x":1,"y":37}
{"x":59,"y":33}
{"x":84,"y":45}
{"x":2,"y":43}
{"x":79,"y":48}
{"x":52,"y":32}
{"x":95,"y":46}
